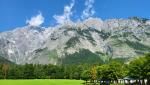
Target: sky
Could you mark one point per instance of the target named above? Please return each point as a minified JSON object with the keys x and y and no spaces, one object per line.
{"x":19,"y":13}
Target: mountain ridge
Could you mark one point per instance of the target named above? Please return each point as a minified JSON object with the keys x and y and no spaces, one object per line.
{"x":109,"y":39}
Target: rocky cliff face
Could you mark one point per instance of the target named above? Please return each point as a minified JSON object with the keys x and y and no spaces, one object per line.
{"x":92,"y":40}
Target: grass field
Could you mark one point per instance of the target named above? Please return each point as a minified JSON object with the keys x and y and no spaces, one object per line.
{"x":41,"y":82}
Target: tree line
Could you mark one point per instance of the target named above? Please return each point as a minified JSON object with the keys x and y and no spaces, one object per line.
{"x":138,"y":68}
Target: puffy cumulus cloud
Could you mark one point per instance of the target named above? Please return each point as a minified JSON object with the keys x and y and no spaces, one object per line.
{"x":89,"y":10}
{"x":36,"y":20}
{"x":61,"y":19}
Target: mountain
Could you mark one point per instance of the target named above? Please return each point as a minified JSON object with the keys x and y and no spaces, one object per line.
{"x":3,"y":60}
{"x":90,"y":41}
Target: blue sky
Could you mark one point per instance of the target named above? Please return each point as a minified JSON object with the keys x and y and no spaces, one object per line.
{"x":15,"y":13}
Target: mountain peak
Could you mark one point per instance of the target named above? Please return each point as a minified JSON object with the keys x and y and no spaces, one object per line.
{"x":34,"y":44}
{"x":38,"y":28}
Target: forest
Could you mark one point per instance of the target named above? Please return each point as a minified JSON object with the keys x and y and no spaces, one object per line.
{"x":138,"y":68}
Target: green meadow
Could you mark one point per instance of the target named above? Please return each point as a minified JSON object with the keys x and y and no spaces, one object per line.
{"x":42,"y":82}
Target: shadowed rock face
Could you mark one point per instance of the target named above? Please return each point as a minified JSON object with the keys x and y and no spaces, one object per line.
{"x":109,"y":39}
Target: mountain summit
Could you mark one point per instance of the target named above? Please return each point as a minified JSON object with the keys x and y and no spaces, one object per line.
{"x":90,"y":41}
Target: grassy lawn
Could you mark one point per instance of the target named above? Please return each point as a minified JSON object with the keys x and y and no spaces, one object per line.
{"x":41,"y":82}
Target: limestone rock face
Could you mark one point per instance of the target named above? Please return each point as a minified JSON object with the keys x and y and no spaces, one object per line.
{"x":109,"y":39}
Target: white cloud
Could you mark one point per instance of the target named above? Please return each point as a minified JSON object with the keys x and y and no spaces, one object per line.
{"x":61,"y":19}
{"x":36,"y":20}
{"x":89,"y":10}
